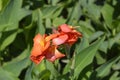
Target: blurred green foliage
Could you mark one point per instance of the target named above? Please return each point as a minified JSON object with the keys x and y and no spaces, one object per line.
{"x":96,"y":56}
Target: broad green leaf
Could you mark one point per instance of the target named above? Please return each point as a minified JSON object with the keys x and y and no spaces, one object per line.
{"x":91,"y":1}
{"x":107,"y":12}
{"x":86,"y":28}
{"x":94,"y":11}
{"x":85,"y":57}
{"x":0,"y":5}
{"x":7,"y":38}
{"x":82,"y":45}
{"x":104,"y":69}
{"x":116,"y":66}
{"x":115,"y":76}
{"x":29,"y":73}
{"x":5,"y":75}
{"x":86,"y":72}
{"x":15,"y":66}
{"x":57,"y":13}
{"x":48,"y":11}
{"x":104,"y":46}
{"x":109,"y":43}
{"x":74,"y":13}
{"x":83,"y":2}
{"x":52,"y":69}
{"x":41,"y":28}
{"x":58,"y":21}
{"x":54,"y":2}
{"x":3,"y":4}
{"x":37,"y":17}
{"x":45,"y":75}
{"x":9,"y":20}
{"x":96,"y":35}
{"x":12,"y":14}
{"x":39,"y":68}
{"x":87,"y":24}
{"x":67,"y":67}
{"x":48,"y":23}
{"x":100,"y":58}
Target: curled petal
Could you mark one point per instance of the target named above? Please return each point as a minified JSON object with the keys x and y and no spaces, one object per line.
{"x":52,"y":54}
{"x":65,"y":28}
{"x":60,"y":40}
{"x":48,"y":38}
{"x":37,"y":59}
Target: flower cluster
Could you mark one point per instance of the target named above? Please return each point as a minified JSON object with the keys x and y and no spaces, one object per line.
{"x":46,"y":46}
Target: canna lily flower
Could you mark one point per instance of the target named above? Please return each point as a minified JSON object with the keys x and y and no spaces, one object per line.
{"x":42,"y":48}
{"x":67,"y":35}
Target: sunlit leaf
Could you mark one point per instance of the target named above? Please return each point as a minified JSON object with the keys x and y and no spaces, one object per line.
{"x":105,"y":68}
{"x":85,"y":57}
{"x":107,"y":12}
{"x":5,"y":75}
{"x":15,"y":66}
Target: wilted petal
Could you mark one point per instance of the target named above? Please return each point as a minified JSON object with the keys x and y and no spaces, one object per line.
{"x":37,"y":59}
{"x":52,"y":54}
{"x":60,"y":39}
{"x":64,"y":28}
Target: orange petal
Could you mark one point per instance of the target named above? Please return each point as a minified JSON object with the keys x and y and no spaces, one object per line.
{"x":60,"y":40}
{"x":51,"y":36}
{"x":36,"y":50}
{"x":47,"y":44}
{"x":65,"y":28}
{"x":39,"y":40}
{"x":37,"y":59}
{"x":53,"y":54}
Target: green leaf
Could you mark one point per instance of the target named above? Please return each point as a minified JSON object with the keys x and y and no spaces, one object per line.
{"x":7,"y":38}
{"x":86,"y":72}
{"x":107,"y":12}
{"x":58,"y":21}
{"x":82,"y":45}
{"x":100,"y":58}
{"x":45,"y":75}
{"x":57,"y":13}
{"x":52,"y":69}
{"x":115,"y":76}
{"x":39,"y":68}
{"x":5,"y":75}
{"x":4,"y":3}
{"x":67,"y":67}
{"x":12,"y":14}
{"x":18,"y":64}
{"x":85,"y":57}
{"x":48,"y":23}
{"x":9,"y":20}
{"x":96,"y":35}
{"x":86,"y":28}
{"x":37,"y":17}
{"x":48,"y":11}
{"x":54,"y":2}
{"x":29,"y":72}
{"x":74,"y":13}
{"x":104,"y":46}
{"x":105,"y":68}
{"x":41,"y":28}
{"x":0,"y":5}
{"x":94,"y":11}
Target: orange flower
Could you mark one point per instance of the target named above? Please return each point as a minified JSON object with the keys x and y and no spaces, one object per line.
{"x":67,"y":34}
{"x":42,"y":49}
